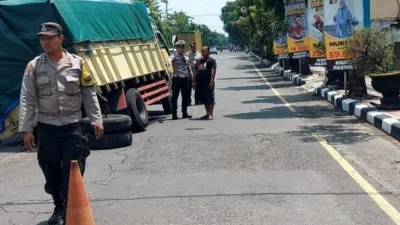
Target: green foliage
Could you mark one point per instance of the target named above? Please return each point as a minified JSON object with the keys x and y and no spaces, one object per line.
{"x":370,"y":51}
{"x":183,"y":23}
{"x":321,"y":45}
{"x":257,"y":27}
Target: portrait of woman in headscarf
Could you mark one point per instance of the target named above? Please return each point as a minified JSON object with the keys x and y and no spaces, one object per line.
{"x":343,"y":19}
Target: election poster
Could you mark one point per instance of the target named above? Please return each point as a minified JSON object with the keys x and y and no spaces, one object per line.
{"x":297,"y":33}
{"x":316,"y":32}
{"x":341,"y":17}
{"x":280,"y":44}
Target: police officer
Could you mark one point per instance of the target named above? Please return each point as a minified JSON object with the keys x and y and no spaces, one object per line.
{"x":194,"y":57}
{"x":180,"y":81}
{"x":55,"y":84}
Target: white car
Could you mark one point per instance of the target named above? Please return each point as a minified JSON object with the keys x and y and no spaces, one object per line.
{"x":172,"y":51}
{"x":213,"y":50}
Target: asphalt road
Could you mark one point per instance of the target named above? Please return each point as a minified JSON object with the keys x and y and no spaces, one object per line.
{"x":264,"y":159}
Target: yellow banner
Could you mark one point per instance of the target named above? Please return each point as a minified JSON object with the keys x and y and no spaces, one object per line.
{"x":335,"y":47}
{"x":298,"y":45}
{"x":316,"y":3}
{"x":280,"y":49}
{"x":297,"y":33}
{"x":315,"y":52}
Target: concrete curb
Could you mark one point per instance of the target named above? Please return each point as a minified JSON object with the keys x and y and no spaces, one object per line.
{"x":363,"y":111}
{"x":288,"y":74}
{"x":294,"y":77}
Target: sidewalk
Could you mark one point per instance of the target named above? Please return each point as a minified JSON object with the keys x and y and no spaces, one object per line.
{"x":370,"y":90}
{"x":387,"y":121}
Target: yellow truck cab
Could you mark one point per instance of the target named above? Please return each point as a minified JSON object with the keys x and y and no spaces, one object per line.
{"x":189,"y":37}
{"x":118,"y":41}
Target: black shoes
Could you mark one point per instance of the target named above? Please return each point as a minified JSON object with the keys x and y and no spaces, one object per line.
{"x":186,"y":116}
{"x":58,"y":216}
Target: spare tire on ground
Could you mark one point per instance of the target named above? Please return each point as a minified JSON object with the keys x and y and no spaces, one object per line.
{"x":110,"y":141}
{"x":113,"y":123}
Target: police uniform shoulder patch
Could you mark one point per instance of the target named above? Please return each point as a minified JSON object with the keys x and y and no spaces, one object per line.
{"x":28,"y":70}
{"x":87,"y":78}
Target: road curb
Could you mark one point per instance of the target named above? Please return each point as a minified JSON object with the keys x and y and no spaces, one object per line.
{"x":292,"y":76}
{"x":363,"y":111}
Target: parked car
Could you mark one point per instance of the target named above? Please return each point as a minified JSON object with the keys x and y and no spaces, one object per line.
{"x":172,"y":51}
{"x":213,"y":50}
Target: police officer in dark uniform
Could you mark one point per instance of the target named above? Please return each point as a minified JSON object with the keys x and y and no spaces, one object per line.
{"x":55,"y":84}
{"x":180,"y":81}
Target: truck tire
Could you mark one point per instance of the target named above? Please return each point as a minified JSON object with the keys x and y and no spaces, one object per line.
{"x":110,"y":141}
{"x":113,"y":123}
{"x":167,"y":105}
{"x":137,"y":110}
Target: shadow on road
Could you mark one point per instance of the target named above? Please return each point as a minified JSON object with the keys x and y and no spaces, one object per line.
{"x":43,"y":223}
{"x":244,"y":67}
{"x":154,"y":117}
{"x":336,"y":134}
{"x":270,"y":113}
{"x":265,"y":72}
{"x":289,"y":98}
{"x":272,"y":80}
{"x":245,"y":88}
{"x":282,"y":112}
{"x":239,"y":78}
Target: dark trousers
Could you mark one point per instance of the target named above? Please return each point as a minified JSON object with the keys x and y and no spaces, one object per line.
{"x":57,"y":147}
{"x":190,"y":91}
{"x":180,"y":85}
{"x":198,"y":95}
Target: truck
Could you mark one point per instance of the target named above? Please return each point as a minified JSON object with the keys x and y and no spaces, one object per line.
{"x":117,"y":40}
{"x":189,"y":37}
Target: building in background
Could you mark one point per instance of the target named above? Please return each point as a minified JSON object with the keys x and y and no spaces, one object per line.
{"x":385,"y":13}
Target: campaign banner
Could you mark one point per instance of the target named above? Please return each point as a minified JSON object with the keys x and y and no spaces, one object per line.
{"x":280,"y":44}
{"x":340,"y":18}
{"x":297,"y":34}
{"x":316,"y":31}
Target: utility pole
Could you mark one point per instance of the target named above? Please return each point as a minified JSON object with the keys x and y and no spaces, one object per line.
{"x":166,"y":8}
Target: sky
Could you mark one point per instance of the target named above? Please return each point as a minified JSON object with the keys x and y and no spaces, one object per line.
{"x":203,"y":11}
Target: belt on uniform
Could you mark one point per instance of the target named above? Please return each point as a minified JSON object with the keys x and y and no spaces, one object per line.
{"x":175,"y":75}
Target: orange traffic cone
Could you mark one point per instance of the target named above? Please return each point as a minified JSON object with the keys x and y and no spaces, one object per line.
{"x":78,"y":208}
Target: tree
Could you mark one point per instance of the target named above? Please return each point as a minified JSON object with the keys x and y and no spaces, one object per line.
{"x":256,"y":26}
{"x":183,"y":23}
{"x":369,"y":52}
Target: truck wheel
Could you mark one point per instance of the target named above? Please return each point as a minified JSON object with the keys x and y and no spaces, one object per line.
{"x":113,"y":123}
{"x":110,"y":141}
{"x":137,"y":110}
{"x":167,"y":105}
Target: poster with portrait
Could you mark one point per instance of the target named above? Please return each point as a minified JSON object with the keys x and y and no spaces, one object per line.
{"x":280,"y":44}
{"x":297,"y":33}
{"x":341,"y":17}
{"x":316,"y":32}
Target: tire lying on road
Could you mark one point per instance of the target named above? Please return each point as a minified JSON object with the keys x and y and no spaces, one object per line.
{"x":113,"y":123}
{"x":110,"y":141}
{"x":117,"y":132}
{"x":137,"y":110}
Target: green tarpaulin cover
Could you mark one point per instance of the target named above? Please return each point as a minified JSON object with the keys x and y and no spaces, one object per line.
{"x":82,"y":20}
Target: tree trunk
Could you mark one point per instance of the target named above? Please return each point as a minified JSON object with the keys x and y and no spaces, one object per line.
{"x":357,"y":85}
